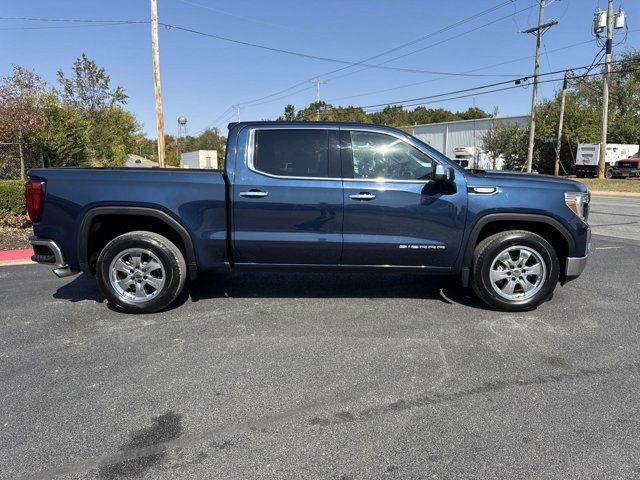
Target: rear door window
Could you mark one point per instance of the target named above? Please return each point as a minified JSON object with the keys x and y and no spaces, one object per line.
{"x":292,"y":152}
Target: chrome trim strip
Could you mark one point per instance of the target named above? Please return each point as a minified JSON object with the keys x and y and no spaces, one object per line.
{"x":53,"y":246}
{"x":251,"y":142}
{"x":482,"y":190}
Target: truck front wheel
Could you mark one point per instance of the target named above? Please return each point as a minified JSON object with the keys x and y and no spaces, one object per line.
{"x":141,"y":272}
{"x":515,"y":270}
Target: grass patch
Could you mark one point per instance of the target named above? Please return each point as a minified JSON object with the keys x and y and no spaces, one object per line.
{"x":613,"y":185}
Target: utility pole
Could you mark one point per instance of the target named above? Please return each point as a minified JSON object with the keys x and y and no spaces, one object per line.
{"x":565,"y":83}
{"x":318,"y":82}
{"x":156,"y":82}
{"x":539,"y":31}
{"x":238,"y":108}
{"x":605,"y":92}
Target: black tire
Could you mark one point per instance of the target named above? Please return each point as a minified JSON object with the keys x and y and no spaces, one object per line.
{"x":485,"y":254}
{"x":172,"y":260}
{"x":608,"y":173}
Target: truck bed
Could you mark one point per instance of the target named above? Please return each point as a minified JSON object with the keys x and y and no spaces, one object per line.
{"x":194,"y":198}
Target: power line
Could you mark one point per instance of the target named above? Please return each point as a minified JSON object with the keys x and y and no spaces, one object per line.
{"x":475,"y":90}
{"x":443,"y":77}
{"x":71,"y":20}
{"x":431,"y":34}
{"x":448,"y":27}
{"x":513,"y":80}
{"x":231,"y":14}
{"x":269,"y":48}
{"x":475,"y":94}
{"x":112,"y":24}
{"x":379,"y":65}
{"x":321,"y":58}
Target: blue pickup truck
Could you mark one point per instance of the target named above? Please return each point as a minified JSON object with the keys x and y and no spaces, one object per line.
{"x":311,"y":196}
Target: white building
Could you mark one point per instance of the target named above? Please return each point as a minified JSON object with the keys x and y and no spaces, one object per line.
{"x":200,"y":159}
{"x":462,"y":140}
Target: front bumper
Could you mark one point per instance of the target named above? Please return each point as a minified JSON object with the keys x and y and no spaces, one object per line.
{"x":625,"y":172}
{"x":574,"y":266}
{"x":48,"y":252}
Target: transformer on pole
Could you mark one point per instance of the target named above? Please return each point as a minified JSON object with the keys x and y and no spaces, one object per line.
{"x":611,"y":22}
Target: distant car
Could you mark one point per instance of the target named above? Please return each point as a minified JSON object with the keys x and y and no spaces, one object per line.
{"x":627,"y":168}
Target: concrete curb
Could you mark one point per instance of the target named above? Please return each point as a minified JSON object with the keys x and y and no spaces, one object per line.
{"x":16,"y":257}
{"x":602,"y":193}
{"x":6,"y":263}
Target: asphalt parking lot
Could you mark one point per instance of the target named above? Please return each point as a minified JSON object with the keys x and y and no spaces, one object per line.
{"x":343,"y":376}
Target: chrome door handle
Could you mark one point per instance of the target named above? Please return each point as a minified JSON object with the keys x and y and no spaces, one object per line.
{"x":254,"y":194}
{"x":363,"y":196}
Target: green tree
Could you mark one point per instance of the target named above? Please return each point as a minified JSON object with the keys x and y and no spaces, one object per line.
{"x":393,"y":115}
{"x":89,"y":88}
{"x":508,"y":141}
{"x":112,"y":135}
{"x":289,"y":113}
{"x":472,"y":113}
{"x":64,"y":141}
{"x":111,"y":129}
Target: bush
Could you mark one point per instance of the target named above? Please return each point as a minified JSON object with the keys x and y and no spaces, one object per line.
{"x":12,"y":196}
{"x":12,"y":204}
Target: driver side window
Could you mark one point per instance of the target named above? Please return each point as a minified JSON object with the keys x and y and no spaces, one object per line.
{"x":381,"y":156}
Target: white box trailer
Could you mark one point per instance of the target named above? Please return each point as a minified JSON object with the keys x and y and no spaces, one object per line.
{"x":588,"y":155}
{"x":200,"y":159}
{"x":476,"y":157}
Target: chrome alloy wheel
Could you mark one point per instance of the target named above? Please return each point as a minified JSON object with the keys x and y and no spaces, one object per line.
{"x":517,"y":273}
{"x":137,"y":275}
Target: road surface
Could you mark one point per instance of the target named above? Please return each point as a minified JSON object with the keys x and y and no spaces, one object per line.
{"x":332,"y":376}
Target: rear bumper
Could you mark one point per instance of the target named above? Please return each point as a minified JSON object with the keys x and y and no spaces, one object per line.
{"x":48,"y":252}
{"x":585,"y":169}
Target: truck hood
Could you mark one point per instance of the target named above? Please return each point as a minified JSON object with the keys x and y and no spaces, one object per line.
{"x":499,"y":177}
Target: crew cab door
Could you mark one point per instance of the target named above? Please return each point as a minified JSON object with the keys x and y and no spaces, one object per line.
{"x":395,"y":214}
{"x":287,"y":197}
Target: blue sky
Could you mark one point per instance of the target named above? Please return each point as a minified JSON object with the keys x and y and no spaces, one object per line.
{"x":203,"y":77}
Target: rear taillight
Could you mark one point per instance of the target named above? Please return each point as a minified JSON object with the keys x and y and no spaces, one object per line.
{"x":34,"y":193}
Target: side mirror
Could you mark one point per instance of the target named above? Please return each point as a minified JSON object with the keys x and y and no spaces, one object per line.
{"x":444,"y":174}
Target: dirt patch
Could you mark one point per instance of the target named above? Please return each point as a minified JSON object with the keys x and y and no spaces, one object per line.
{"x":14,"y":238}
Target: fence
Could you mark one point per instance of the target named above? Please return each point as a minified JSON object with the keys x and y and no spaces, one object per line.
{"x":10,"y":159}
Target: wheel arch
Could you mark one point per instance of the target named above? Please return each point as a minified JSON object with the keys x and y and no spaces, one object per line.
{"x":545,"y":226}
{"x":149,"y":218}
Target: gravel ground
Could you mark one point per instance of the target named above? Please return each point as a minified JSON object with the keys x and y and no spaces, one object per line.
{"x":15,"y":238}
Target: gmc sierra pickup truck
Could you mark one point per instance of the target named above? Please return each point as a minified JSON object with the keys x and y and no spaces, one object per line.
{"x":311,"y":196}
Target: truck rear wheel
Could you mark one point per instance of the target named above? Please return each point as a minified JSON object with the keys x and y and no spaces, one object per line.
{"x":141,"y":272}
{"x":515,"y":270}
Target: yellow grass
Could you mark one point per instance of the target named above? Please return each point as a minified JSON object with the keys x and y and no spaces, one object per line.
{"x":614,"y":185}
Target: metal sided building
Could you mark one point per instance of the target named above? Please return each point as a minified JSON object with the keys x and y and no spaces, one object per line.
{"x":462,"y":138}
